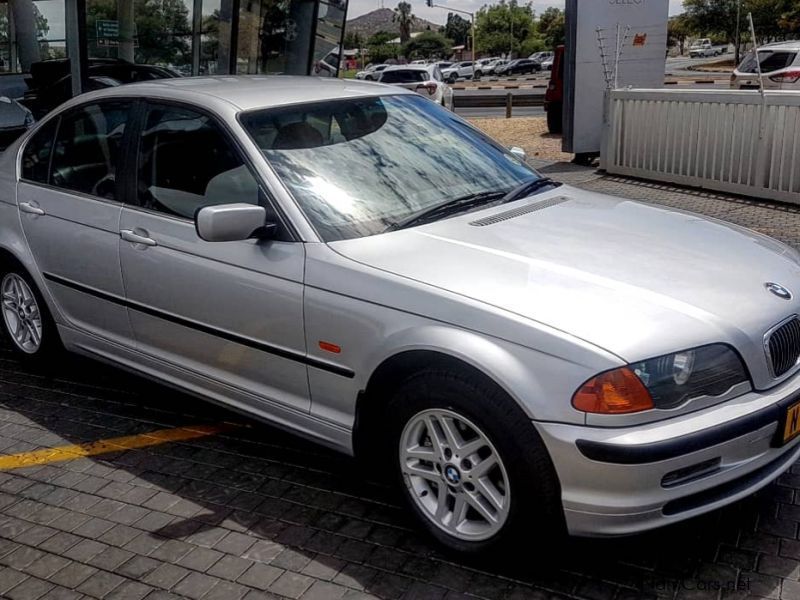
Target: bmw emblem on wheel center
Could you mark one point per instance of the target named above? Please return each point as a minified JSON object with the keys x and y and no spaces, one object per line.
{"x":452,"y":475}
{"x":778,"y":290}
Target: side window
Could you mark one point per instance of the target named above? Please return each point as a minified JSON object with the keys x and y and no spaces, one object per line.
{"x":36,"y":156}
{"x":186,"y":162}
{"x":87,"y":149}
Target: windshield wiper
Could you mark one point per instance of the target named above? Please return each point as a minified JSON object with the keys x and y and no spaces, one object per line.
{"x":528,"y":189}
{"x":448,"y":208}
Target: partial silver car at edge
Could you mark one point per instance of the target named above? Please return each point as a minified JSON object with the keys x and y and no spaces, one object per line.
{"x":349,"y":261}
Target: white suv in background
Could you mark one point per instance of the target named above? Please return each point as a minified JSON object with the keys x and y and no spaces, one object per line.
{"x":780,"y":67}
{"x":426,"y":80}
{"x":460,"y":69}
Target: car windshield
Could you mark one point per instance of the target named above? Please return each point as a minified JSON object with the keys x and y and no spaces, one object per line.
{"x":357,"y":166}
{"x":404,"y":76}
{"x":770,"y":61}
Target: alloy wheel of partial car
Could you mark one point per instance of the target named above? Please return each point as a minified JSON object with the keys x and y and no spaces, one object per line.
{"x":454,"y":474}
{"x":21,"y":313}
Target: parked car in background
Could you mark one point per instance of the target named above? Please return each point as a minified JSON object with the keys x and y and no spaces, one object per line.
{"x":420,"y":61}
{"x":371,"y":72}
{"x":443,"y":64}
{"x":547,"y":63}
{"x":554,"y":95}
{"x":50,"y":81}
{"x":490,"y":68}
{"x":481,"y":66}
{"x":458,"y":70}
{"x":426,"y":80}
{"x":704,"y":48}
{"x":541,"y":57}
{"x":356,"y":264}
{"x":519,"y":66}
{"x":780,"y":68}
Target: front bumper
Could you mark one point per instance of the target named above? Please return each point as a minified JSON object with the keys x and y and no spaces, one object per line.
{"x":620,"y":481}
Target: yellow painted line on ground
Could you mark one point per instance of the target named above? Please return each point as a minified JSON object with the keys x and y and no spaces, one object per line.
{"x":127,"y":442}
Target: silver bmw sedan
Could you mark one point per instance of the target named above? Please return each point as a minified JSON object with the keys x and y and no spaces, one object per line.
{"x":354,"y":263}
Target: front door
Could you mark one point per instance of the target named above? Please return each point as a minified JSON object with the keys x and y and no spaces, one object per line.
{"x":70,"y":207}
{"x":230,"y":311}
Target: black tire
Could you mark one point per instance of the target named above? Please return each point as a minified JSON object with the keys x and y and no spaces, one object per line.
{"x":534,"y":490}
{"x":452,"y":79}
{"x":555,"y":120}
{"x":478,"y":74}
{"x":50,"y":345}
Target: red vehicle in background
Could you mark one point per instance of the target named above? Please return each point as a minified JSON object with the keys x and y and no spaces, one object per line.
{"x":554,"y":96}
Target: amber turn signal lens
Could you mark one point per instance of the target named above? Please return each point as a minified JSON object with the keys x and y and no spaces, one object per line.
{"x":613,"y":392}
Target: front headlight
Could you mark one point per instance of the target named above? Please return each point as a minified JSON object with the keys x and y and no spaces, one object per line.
{"x":663,"y":382}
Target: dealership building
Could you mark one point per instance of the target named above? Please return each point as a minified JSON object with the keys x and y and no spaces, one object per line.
{"x":189,"y":37}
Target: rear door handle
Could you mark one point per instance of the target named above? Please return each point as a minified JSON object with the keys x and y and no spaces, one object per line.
{"x":131,"y":236}
{"x":31,"y":208}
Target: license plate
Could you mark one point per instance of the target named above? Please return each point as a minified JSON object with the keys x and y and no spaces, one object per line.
{"x":791,"y":424}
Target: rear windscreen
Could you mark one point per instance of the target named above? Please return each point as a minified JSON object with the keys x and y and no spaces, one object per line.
{"x":409,"y":76}
{"x":771,"y":60}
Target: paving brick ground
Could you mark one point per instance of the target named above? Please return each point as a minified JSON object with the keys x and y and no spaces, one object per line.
{"x":256,"y":513}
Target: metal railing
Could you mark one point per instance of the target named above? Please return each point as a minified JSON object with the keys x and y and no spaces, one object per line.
{"x":732,"y":141}
{"x":508,"y":100}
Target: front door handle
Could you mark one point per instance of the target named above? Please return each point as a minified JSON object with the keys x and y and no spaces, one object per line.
{"x":130,"y":235}
{"x":31,"y":208}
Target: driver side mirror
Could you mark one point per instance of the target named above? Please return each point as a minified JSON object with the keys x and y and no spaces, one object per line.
{"x":233,"y":222}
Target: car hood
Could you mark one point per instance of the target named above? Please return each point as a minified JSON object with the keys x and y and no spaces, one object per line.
{"x":632,"y":278}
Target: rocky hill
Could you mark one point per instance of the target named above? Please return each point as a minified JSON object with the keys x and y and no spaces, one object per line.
{"x":381,"y":20}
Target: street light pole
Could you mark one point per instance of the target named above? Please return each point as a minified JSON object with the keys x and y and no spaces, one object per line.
{"x":738,"y":19}
{"x":463,"y":12}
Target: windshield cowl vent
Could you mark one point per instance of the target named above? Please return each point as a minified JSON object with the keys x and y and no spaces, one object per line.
{"x":518,"y":212}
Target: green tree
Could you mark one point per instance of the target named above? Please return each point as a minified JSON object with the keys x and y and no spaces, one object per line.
{"x":552,"y":27}
{"x":380,"y":37}
{"x":457,"y":29}
{"x":772,"y":19}
{"x":503,"y":28}
{"x":162,"y":28}
{"x":429,"y":44}
{"x":353,"y":39}
{"x":678,"y":30}
{"x":42,"y":29}
{"x":404,"y":18}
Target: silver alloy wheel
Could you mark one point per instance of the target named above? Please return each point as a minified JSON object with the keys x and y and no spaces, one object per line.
{"x":454,"y":474}
{"x":21,"y":313}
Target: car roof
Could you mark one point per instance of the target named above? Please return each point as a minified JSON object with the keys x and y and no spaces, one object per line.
{"x":790,"y":45}
{"x":408,"y":68}
{"x":247,"y":92}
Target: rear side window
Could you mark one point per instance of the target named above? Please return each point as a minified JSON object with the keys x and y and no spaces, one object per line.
{"x":88,"y":147}
{"x":770,"y":61}
{"x":404,"y":76}
{"x":37,"y":153}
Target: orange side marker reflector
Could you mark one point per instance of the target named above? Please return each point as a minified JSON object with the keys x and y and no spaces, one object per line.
{"x":328,"y":347}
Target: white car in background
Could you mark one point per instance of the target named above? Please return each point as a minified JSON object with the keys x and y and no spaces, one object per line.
{"x":780,"y":68}
{"x":426,"y":80}
{"x":460,"y":69}
{"x":371,"y":73}
{"x":490,"y":68}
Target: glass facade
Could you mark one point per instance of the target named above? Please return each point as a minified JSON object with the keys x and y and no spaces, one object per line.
{"x":182,"y":37}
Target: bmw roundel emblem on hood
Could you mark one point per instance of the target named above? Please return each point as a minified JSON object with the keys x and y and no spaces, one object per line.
{"x":778,"y":290}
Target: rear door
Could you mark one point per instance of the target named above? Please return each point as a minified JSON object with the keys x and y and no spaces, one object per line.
{"x":229,"y":311}
{"x":70,"y":203}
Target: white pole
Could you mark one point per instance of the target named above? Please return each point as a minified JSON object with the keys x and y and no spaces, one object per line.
{"x":760,"y":77}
